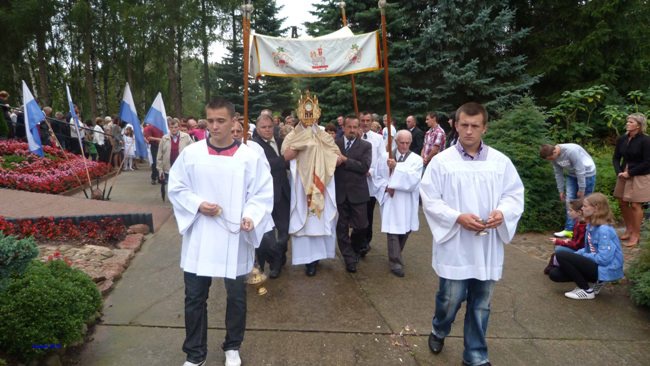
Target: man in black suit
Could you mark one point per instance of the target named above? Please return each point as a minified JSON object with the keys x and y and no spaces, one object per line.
{"x":272,"y":248}
{"x":416,"y":132}
{"x":351,"y":190}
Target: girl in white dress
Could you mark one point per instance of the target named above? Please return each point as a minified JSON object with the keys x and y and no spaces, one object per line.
{"x":129,"y":148}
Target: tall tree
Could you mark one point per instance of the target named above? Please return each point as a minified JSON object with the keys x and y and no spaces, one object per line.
{"x":273,"y":93}
{"x":578,"y":44}
{"x":466,"y":49}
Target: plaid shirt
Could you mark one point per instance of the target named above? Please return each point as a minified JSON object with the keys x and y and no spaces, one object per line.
{"x":434,"y":137}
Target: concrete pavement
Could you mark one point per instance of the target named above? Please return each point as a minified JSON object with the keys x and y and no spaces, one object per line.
{"x":338,"y":318}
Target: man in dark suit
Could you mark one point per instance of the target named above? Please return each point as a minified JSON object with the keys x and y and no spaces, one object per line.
{"x":416,"y":132}
{"x":351,"y":190}
{"x":271,"y":248}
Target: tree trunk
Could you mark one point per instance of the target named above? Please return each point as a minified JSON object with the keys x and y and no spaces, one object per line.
{"x":90,"y":73}
{"x":171,"y":73}
{"x":179,"y":72}
{"x":205,"y":48}
{"x":129,"y":65}
{"x":42,"y":68}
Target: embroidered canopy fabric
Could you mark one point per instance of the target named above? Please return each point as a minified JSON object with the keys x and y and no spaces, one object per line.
{"x":334,"y":54}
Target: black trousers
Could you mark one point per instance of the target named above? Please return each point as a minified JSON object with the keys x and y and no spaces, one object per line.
{"x":154,"y":155}
{"x":574,"y":268}
{"x":364,"y":236}
{"x":351,"y":215}
{"x":273,"y":248}
{"x":197,"y":289}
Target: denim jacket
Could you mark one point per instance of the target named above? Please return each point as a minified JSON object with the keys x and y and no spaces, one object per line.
{"x":603,"y":247}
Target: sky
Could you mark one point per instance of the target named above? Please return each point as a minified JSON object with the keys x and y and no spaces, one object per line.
{"x":296,"y":12}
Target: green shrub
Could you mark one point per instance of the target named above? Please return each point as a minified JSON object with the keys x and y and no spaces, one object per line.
{"x":15,"y":254}
{"x":48,"y":304}
{"x":639,"y":271}
{"x":519,"y":134}
{"x":605,"y":175}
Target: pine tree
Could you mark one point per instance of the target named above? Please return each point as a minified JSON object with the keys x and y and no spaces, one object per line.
{"x":335,"y":94}
{"x":465,"y":52}
{"x":268,"y":92}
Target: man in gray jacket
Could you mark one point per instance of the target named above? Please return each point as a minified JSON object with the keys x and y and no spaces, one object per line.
{"x":581,"y":175}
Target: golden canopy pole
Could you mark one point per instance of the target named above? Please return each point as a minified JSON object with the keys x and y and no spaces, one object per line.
{"x":247,"y":10}
{"x":354,"y":88}
{"x":389,"y":119}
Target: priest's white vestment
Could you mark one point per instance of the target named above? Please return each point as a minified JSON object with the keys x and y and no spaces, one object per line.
{"x":242,"y":185}
{"x":452,"y":186}
{"x":399,"y":213}
{"x":312,"y":238}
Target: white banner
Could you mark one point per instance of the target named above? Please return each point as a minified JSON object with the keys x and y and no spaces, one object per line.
{"x":335,"y":54}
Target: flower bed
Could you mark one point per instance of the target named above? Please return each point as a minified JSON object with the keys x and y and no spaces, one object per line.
{"x":57,"y":172}
{"x":105,"y":231}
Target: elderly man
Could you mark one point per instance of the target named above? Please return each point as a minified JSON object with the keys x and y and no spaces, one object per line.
{"x":400,"y":192}
{"x":580,"y":180}
{"x":472,"y":198}
{"x":170,"y":147}
{"x":222,"y":194}
{"x":274,"y":247}
{"x":416,"y":133}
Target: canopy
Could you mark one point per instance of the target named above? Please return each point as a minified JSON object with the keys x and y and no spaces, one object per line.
{"x":335,"y":54}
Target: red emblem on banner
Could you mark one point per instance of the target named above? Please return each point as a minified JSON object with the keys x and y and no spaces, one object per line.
{"x":281,"y":58}
{"x":354,"y":54}
{"x":318,"y":61}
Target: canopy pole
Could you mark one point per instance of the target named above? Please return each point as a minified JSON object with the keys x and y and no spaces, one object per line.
{"x":389,"y":119}
{"x":354,"y":87}
{"x":247,"y":10}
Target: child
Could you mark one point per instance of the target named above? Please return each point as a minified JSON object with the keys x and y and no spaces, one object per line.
{"x":577,"y":241}
{"x":129,"y":148}
{"x":601,"y":260}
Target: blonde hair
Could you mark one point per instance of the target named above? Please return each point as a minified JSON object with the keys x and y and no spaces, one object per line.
{"x":641,"y":119}
{"x":602,"y":214}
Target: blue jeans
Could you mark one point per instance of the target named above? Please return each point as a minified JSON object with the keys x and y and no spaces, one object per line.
{"x":449,"y":298}
{"x":572,"y":193}
{"x":196,"y":315}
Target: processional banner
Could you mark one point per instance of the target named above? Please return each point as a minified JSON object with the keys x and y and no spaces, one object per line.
{"x":335,"y":54}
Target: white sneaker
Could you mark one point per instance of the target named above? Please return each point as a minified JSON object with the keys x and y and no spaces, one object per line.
{"x":188,"y":363}
{"x":232,"y":358}
{"x":579,"y":294}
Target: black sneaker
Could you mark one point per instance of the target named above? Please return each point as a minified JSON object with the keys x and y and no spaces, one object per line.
{"x":435,"y":343}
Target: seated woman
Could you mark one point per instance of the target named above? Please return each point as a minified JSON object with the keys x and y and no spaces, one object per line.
{"x":577,"y":241}
{"x":601,"y":260}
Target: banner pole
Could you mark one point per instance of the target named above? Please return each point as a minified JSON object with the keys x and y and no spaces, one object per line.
{"x":247,"y":10}
{"x":389,"y":119}
{"x":354,"y":87}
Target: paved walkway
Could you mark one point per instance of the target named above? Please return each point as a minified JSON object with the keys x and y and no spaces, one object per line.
{"x":367,"y":318}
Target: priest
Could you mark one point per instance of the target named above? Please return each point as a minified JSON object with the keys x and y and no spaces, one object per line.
{"x":313,"y":158}
{"x":222,"y":195}
{"x":399,"y":184}
{"x":472,"y":198}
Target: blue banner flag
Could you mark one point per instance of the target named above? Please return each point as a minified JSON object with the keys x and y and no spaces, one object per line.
{"x":157,"y":116}
{"x":33,"y":117}
{"x":75,"y":118}
{"x":130,"y":116}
